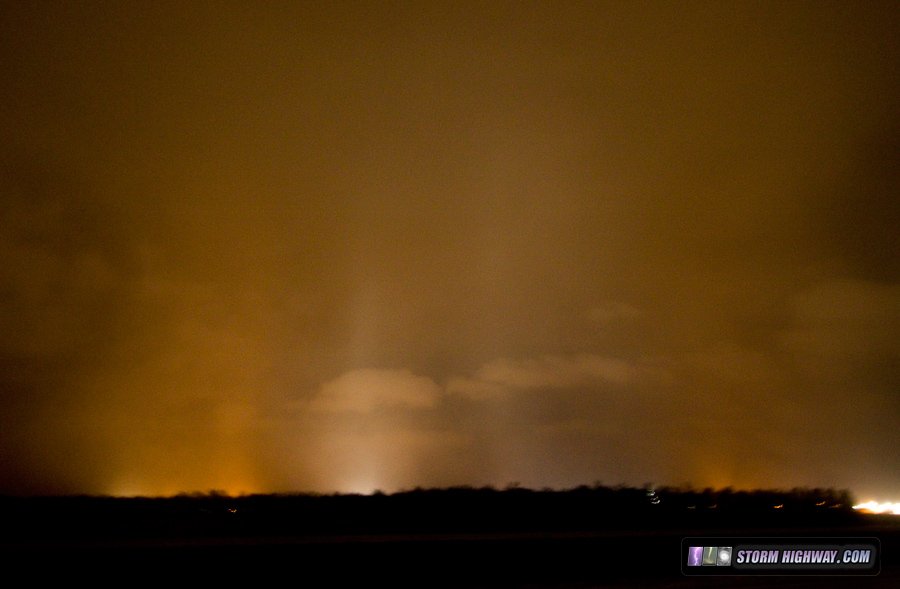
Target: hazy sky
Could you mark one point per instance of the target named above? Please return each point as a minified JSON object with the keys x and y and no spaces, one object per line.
{"x":346,"y":246}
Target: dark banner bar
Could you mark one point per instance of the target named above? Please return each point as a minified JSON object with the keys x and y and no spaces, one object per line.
{"x":713,"y":556}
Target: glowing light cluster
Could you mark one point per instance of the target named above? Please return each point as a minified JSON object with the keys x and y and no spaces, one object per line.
{"x":875,"y":507}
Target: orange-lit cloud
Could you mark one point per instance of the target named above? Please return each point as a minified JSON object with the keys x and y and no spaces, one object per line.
{"x":547,"y":372}
{"x":369,"y":389}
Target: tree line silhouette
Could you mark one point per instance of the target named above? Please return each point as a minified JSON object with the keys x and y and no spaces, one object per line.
{"x":455,"y":510}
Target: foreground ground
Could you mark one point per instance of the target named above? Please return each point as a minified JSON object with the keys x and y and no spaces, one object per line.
{"x":415,"y":541}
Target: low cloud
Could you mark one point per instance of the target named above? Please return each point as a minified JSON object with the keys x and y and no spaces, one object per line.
{"x":846,"y":330}
{"x":366,"y":390}
{"x":547,"y":372}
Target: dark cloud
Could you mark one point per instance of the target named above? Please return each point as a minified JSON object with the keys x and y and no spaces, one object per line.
{"x":862,"y":211}
{"x":67,"y":270}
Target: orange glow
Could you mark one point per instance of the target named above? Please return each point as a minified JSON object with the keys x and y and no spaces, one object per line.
{"x":232,"y":486}
{"x":310,"y":248}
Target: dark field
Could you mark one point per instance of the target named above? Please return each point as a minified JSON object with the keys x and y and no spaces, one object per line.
{"x":455,"y":538}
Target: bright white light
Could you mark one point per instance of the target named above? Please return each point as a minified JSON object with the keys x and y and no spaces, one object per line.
{"x":875,"y":507}
{"x":359,"y":485}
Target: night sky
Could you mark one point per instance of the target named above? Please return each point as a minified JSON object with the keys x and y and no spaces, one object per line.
{"x":331,"y":246}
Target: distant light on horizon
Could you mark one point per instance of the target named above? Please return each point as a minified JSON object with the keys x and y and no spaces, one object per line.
{"x":127,"y":490}
{"x":360,"y":486}
{"x":875,"y":507}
